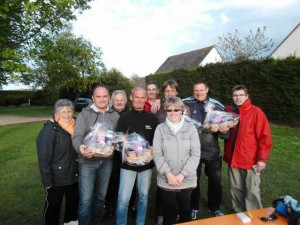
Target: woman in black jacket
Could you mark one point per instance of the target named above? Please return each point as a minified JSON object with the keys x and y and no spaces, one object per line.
{"x":58,"y":165}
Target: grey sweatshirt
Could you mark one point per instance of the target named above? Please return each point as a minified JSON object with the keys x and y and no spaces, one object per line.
{"x":87,"y":119}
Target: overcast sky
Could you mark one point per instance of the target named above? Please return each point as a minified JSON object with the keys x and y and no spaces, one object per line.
{"x":137,"y":36}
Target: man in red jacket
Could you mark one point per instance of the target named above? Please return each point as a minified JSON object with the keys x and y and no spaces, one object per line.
{"x":247,"y":151}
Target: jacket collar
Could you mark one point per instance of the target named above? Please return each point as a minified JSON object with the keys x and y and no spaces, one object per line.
{"x":138,"y":112}
{"x":167,"y":129}
{"x":246,"y":106}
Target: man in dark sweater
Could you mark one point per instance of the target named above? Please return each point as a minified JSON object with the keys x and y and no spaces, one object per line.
{"x":144,"y":124}
{"x":119,"y":101}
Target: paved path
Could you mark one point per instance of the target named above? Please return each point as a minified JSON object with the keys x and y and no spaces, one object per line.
{"x":7,"y":119}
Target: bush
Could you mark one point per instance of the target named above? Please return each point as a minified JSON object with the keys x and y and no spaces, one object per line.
{"x":274,"y":85}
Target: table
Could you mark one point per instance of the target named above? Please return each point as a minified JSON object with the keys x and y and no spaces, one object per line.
{"x":232,"y":219}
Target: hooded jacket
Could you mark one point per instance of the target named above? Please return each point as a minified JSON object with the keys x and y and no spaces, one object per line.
{"x":250,"y":141}
{"x":85,"y":121}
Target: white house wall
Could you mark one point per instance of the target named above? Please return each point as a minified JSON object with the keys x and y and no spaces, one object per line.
{"x":290,"y":46}
{"x":212,"y":57}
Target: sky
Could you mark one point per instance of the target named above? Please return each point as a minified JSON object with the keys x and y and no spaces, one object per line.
{"x":137,"y":36}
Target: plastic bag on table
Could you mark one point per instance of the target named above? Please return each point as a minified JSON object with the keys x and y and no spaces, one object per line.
{"x":100,"y":140}
{"x":214,"y":118}
{"x":136,"y":150}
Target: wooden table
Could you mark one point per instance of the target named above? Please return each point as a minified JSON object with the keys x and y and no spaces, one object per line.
{"x":232,"y":219}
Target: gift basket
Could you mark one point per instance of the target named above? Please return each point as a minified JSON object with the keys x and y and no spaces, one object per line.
{"x":100,"y":140}
{"x":214,"y":118}
{"x":136,"y":150}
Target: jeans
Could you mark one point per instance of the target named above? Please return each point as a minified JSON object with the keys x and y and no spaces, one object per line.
{"x":214,"y":190}
{"x":127,"y":179}
{"x":93,"y":183}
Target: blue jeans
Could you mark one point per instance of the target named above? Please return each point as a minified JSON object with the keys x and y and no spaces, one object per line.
{"x":127,"y":179}
{"x":93,"y":183}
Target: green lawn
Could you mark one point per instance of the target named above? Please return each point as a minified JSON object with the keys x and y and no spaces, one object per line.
{"x":22,"y":196}
{"x":27,"y":110}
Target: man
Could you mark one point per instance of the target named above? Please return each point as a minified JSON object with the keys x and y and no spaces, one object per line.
{"x":119,"y":101}
{"x":152,"y":103}
{"x":170,"y":89}
{"x":210,"y":150}
{"x":143,"y":123}
{"x":94,"y":172}
{"x":247,"y":151}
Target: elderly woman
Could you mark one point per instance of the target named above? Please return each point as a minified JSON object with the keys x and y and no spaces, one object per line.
{"x":176,"y":150}
{"x":58,"y":165}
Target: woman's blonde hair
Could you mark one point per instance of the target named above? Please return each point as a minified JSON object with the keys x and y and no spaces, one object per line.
{"x":173,"y":101}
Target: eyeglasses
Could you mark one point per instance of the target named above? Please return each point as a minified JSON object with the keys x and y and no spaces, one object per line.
{"x":173,"y":110}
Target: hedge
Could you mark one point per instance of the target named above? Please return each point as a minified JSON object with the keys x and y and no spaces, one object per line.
{"x":274,"y":85}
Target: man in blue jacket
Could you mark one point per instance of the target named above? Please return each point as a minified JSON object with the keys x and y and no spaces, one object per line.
{"x":211,"y":156}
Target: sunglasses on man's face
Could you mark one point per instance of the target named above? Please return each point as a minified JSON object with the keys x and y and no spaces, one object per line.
{"x":173,"y":110}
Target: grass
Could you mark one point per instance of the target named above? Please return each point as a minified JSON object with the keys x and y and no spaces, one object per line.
{"x":22,"y":195}
{"x":27,"y":110}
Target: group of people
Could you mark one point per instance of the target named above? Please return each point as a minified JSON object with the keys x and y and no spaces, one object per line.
{"x":93,"y":186}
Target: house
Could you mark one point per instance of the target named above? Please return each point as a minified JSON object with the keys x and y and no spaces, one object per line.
{"x":190,"y":60}
{"x":290,"y":46}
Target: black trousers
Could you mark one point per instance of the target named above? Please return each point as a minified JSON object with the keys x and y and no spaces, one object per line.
{"x":176,"y":203}
{"x":212,"y":170}
{"x":53,"y":201}
{"x":159,"y":205}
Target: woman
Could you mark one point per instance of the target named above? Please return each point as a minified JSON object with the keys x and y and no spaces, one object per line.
{"x":58,"y":165}
{"x":176,"y":150}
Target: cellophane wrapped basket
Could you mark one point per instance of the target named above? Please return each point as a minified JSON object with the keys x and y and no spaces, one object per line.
{"x":214,"y":118}
{"x":100,"y":140}
{"x":136,"y":150}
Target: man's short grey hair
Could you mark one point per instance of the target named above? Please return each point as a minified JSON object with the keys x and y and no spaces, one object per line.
{"x":62,"y":103}
{"x":138,"y":89}
{"x":116,"y":92}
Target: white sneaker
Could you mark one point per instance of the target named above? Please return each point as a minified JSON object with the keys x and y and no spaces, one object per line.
{"x":72,"y":223}
{"x":160,"y":220}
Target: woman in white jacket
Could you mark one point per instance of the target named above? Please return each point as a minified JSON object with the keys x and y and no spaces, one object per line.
{"x":176,"y":149}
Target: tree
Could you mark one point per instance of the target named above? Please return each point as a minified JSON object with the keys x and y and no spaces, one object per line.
{"x":115,"y":80}
{"x":66,"y":61}
{"x":22,"y":22}
{"x":233,"y":48}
